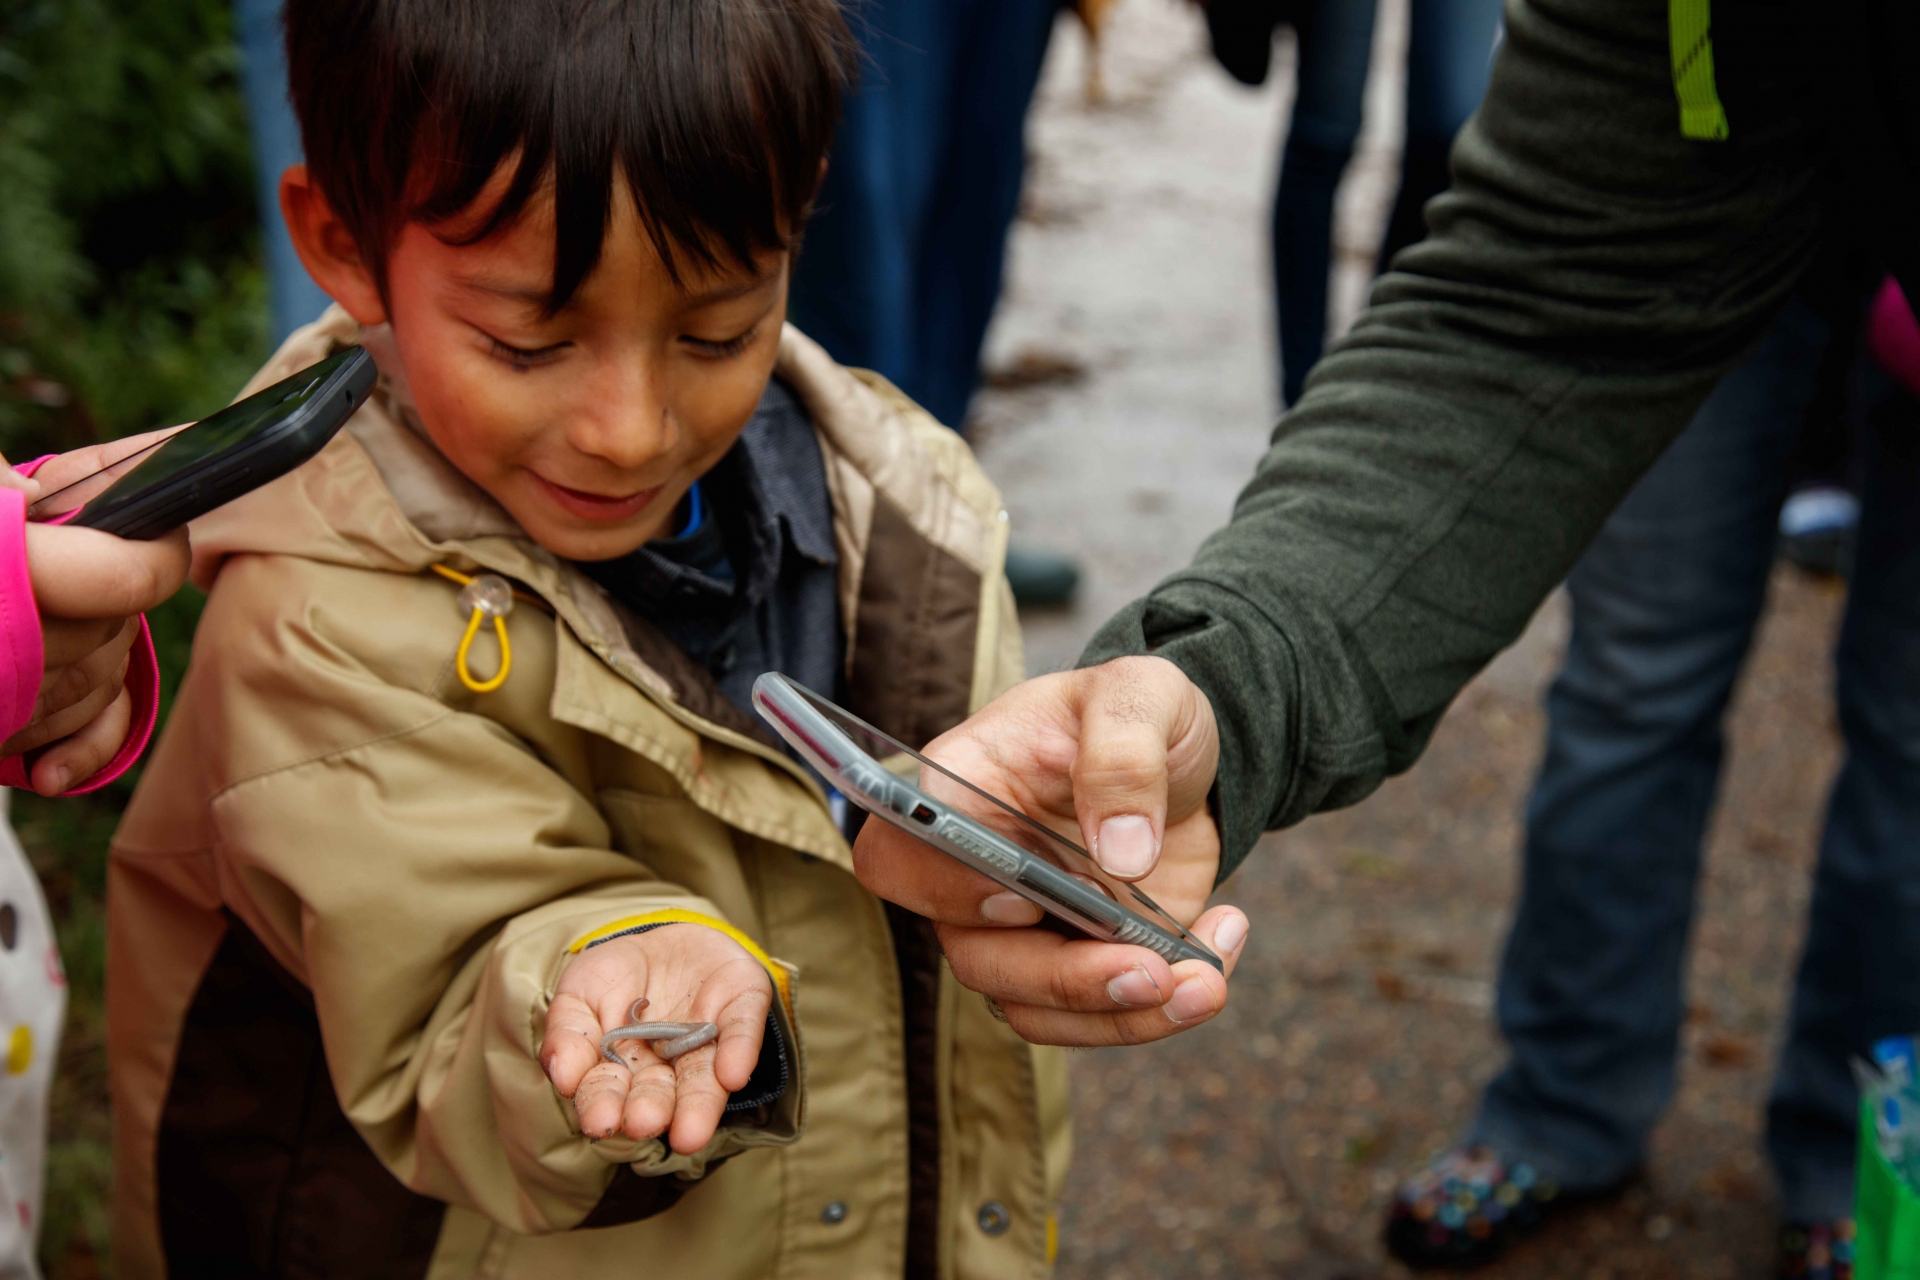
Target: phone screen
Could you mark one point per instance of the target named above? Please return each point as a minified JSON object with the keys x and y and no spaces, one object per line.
{"x":207,"y":438}
{"x":949,"y":788}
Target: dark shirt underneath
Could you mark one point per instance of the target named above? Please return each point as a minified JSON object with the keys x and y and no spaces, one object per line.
{"x":755,"y":586}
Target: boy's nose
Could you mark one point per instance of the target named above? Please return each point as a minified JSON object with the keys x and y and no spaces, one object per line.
{"x":624,"y":423}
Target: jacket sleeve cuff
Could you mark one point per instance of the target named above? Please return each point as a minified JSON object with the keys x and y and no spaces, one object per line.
{"x":22,"y":655}
{"x":781,"y":975}
{"x":143,"y":683}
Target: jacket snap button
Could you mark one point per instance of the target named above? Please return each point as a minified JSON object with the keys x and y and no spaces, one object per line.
{"x":835,"y":1213}
{"x":994,"y":1218}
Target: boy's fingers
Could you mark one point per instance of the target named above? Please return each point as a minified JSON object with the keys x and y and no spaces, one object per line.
{"x":700,"y":1100}
{"x":601,"y":1100}
{"x":571,"y":1046}
{"x":650,"y":1098}
{"x":83,"y":754}
{"x":743,"y":1024}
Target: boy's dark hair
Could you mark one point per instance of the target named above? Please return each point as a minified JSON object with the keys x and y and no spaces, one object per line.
{"x":718,"y":113}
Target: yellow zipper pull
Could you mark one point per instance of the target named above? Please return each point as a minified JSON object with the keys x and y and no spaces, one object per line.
{"x":488,"y":596}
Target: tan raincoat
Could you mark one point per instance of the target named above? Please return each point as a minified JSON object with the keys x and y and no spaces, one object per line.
{"x":346,"y":886}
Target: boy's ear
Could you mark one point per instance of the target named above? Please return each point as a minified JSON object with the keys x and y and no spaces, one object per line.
{"x":327,"y":248}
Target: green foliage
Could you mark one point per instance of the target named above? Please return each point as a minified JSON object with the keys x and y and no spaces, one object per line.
{"x":131,"y":295}
{"x":131,"y":292}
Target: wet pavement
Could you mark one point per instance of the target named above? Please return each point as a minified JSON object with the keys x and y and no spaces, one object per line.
{"x":1132,"y":392}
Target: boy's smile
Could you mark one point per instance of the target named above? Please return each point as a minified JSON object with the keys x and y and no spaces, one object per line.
{"x":588,"y":425}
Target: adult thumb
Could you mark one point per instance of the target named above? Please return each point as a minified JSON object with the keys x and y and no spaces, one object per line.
{"x":1148,"y":747}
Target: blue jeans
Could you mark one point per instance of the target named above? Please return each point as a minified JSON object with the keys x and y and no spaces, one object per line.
{"x":902,"y":261}
{"x":1335,"y":45}
{"x":1664,"y":609}
{"x":1450,"y":45}
{"x":296,"y":299}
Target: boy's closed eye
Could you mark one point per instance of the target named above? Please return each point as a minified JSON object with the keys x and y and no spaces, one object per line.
{"x":523,"y":358}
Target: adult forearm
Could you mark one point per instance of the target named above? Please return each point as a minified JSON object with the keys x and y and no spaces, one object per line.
{"x":1587,"y":280}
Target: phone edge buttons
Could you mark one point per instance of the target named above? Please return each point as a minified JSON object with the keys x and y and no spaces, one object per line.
{"x":956,"y":832}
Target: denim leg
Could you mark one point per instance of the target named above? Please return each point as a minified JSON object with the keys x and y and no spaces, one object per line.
{"x":1859,"y":976}
{"x":1335,"y":44}
{"x":856,"y":285}
{"x":276,"y":145}
{"x":1664,"y":606}
{"x":1449,"y":61}
{"x":998,"y":55}
{"x":1450,"y":46}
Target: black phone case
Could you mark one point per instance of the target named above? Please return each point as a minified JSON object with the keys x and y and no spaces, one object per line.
{"x":219,"y":480}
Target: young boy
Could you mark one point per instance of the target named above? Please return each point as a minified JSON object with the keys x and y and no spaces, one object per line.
{"x":399,"y":861}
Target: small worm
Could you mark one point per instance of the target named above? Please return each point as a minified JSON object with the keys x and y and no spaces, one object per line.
{"x":673,"y":1038}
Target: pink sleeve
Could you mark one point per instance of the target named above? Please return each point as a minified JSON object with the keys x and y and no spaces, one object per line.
{"x":22,"y":657}
{"x":1893,"y":336}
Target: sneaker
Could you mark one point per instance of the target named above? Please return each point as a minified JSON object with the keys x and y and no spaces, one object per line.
{"x":1817,"y":1250}
{"x":1465,"y":1208}
{"x":1817,"y":529}
{"x":1041,"y":577}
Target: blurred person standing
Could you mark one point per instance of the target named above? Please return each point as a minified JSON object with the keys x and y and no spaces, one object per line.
{"x":906,"y":250}
{"x":1450,"y":48}
{"x":1665,"y":604}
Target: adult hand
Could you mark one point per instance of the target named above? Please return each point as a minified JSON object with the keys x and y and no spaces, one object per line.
{"x":89,"y":587}
{"x":1119,"y":757}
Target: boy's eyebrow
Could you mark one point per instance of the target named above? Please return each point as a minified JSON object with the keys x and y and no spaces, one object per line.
{"x":501,"y":288}
{"x":728,"y":292}
{"x":537,"y":297}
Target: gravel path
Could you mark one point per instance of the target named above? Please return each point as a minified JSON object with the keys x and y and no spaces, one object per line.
{"x":1132,"y":389}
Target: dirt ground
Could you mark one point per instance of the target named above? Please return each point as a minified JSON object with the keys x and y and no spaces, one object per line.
{"x":1132,"y":392}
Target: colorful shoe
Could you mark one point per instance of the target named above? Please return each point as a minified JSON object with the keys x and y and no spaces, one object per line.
{"x":1817,"y":1251}
{"x":1465,"y":1208}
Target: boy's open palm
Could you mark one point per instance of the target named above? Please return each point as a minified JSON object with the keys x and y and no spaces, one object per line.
{"x":687,"y":973}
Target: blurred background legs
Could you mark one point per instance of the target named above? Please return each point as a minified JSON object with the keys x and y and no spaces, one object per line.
{"x":1335,"y":44}
{"x":903,"y":259}
{"x":1664,"y":605}
{"x":1450,"y":47}
{"x":1857,"y":974}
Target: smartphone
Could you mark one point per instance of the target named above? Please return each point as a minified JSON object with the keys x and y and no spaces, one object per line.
{"x":219,"y":458}
{"x":1001,"y":843}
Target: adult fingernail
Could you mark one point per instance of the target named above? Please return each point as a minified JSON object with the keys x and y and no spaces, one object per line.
{"x":58,"y":783}
{"x":1136,"y":989}
{"x":1127,"y":846}
{"x":1231,"y":933}
{"x":1010,"y":908}
{"x":1191,"y":1000}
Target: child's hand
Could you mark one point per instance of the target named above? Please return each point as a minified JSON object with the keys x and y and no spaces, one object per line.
{"x":687,"y":973}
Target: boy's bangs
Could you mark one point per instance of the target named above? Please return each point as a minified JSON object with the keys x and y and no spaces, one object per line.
{"x":716,"y":113}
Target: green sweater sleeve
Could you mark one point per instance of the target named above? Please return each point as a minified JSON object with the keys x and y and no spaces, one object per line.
{"x":1588,"y":278}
